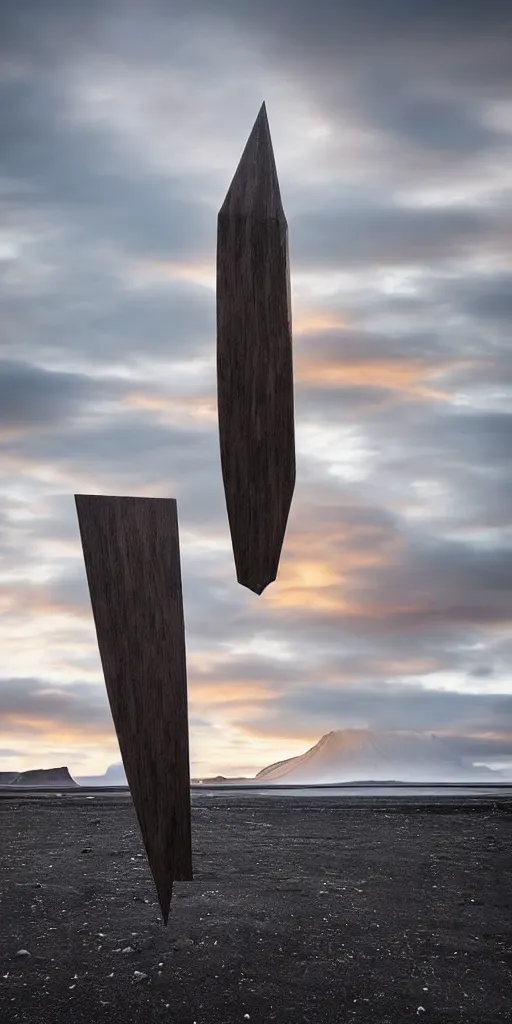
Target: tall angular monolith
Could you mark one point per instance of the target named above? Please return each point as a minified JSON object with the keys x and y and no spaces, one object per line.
{"x":132,"y":561}
{"x":254,"y":362}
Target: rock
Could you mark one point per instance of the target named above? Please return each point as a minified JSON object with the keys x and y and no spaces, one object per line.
{"x":86,"y":849}
{"x":45,"y":778}
{"x":23,"y":952}
{"x":128,"y":949}
{"x":139,"y":975}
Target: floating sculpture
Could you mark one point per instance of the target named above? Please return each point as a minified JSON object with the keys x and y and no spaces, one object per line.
{"x":254,"y":362}
{"x":131,"y":545}
{"x":132,"y":561}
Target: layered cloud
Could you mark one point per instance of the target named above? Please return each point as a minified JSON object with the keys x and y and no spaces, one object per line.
{"x":392,"y":129}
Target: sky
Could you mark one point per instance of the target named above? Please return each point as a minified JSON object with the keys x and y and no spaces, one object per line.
{"x":121,"y":126}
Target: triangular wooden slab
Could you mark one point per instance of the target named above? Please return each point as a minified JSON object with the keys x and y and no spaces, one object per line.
{"x":132,"y":561}
{"x":254,"y":362}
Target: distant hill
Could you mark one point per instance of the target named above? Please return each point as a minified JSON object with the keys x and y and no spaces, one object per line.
{"x":7,"y":777}
{"x":39,"y":777}
{"x":219,"y":779}
{"x":114,"y":776}
{"x":352,"y":755}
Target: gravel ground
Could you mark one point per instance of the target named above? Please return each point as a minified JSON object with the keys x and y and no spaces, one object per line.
{"x":304,"y":911}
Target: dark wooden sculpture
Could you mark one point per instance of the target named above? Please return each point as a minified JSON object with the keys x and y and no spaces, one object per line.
{"x":132,"y":561}
{"x":254,"y":362}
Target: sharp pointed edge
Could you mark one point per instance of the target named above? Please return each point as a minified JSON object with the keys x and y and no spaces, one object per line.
{"x":256,"y":588}
{"x":163,"y":881}
{"x":262,"y":120}
{"x":165,"y":904}
{"x":254,"y":189}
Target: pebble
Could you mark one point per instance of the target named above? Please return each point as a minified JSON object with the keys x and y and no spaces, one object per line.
{"x":23,"y":952}
{"x":139,"y":975}
{"x":128,"y":949}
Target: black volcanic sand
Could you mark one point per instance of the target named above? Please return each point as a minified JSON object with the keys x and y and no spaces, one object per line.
{"x":305,"y":910}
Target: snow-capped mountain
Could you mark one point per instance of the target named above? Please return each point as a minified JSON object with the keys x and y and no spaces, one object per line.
{"x":350,"y":755}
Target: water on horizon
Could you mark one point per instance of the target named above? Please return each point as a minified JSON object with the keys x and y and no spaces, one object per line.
{"x":323,"y":792}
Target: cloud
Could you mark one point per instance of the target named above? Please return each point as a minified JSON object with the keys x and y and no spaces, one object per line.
{"x":371,"y":234}
{"x":33,"y":397}
{"x":74,"y":705}
{"x":77,"y":172}
{"x":442,"y":125}
{"x":487,"y":297}
{"x":487,"y":718}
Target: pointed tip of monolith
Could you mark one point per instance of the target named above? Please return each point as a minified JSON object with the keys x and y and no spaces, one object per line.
{"x":256,"y":588}
{"x":164,"y":899}
{"x":261,"y":124}
{"x":254,"y":189}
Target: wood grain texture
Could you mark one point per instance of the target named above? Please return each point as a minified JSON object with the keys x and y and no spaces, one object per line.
{"x":255,"y":362}
{"x":132,"y":561}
